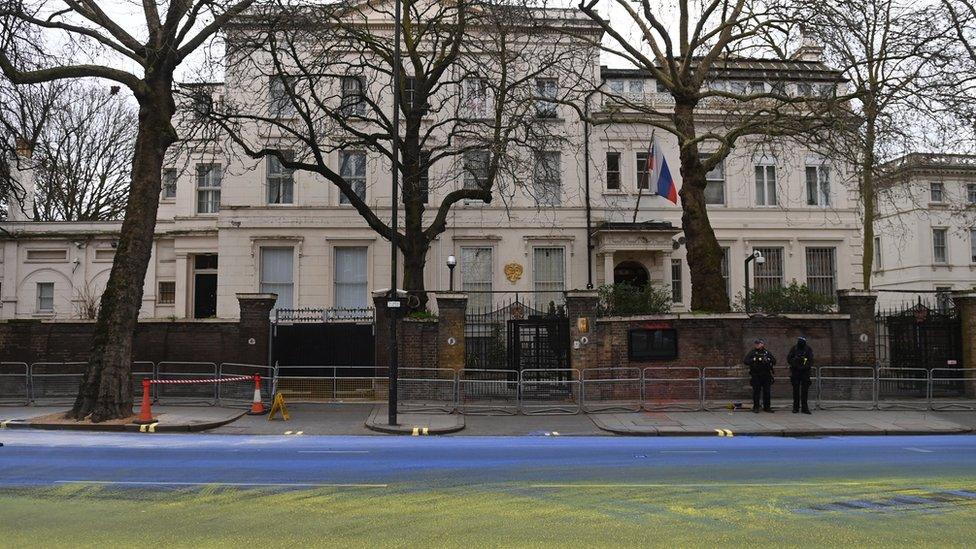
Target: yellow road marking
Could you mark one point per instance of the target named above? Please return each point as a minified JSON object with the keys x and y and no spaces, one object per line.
{"x":556,"y":433}
{"x":425,"y":431}
{"x":416,"y":431}
{"x":288,"y":432}
{"x":724,"y":432}
{"x":720,"y":432}
{"x":3,"y":424}
{"x":152,"y":427}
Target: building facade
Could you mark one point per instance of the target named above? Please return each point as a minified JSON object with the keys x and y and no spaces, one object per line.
{"x":227,"y":224}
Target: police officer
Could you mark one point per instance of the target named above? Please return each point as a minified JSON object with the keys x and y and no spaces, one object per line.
{"x":800,"y":360}
{"x":760,"y":362}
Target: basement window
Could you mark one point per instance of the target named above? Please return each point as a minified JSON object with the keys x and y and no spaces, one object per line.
{"x":645,"y":344}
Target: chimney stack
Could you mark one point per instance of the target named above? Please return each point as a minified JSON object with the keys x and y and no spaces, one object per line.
{"x":20,"y":202}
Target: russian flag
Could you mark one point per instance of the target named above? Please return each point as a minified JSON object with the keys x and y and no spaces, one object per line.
{"x":659,"y":173}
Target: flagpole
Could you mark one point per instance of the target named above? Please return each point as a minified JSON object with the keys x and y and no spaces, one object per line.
{"x":650,"y":153}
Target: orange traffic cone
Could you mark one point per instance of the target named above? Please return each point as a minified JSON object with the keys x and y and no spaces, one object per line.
{"x":257,"y":406}
{"x":145,"y":413}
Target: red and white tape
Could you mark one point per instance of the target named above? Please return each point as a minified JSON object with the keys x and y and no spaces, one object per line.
{"x":192,"y":381}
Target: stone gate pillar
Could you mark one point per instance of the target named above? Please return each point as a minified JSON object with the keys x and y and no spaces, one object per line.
{"x":450,"y":330}
{"x":581,"y":308}
{"x":965,"y":303}
{"x":862,"y":331}
{"x":255,"y":328}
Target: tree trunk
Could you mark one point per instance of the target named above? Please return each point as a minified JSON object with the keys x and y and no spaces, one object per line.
{"x":106,"y":388}
{"x":414,"y":263}
{"x":703,"y":252}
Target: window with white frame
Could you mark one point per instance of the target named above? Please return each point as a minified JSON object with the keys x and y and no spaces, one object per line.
{"x":475,"y":96}
{"x":277,"y":274}
{"x":714,"y":182}
{"x":818,"y":185}
{"x":546,"y":180}
{"x":549,"y":275}
{"x":937,"y":191}
{"x":877,"y":254}
{"x":166,"y":294}
{"x":280,"y":180}
{"x":642,"y":169}
{"x":208,"y":188}
{"x":768,"y":274}
{"x":279,"y":96}
{"x":352,"y":168}
{"x":546,"y":91}
{"x":972,"y":245}
{"x":676,"y":287}
{"x":613,"y":171}
{"x":766,"y":185}
{"x":971,"y":193}
{"x":474,"y":164}
{"x":726,"y":257}
{"x":169,"y":183}
{"x":45,"y":297}
{"x":352,"y":102}
{"x":350,"y":277}
{"x":476,"y":276}
{"x":940,"y":246}
{"x":822,"y":271}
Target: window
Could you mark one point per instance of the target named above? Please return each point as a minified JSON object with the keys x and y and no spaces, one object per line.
{"x":769,"y":274}
{"x":48,"y":256}
{"x":167,"y":293}
{"x":208,"y":188}
{"x":644,"y":345}
{"x":818,"y":185}
{"x":476,"y":276}
{"x":726,"y":257}
{"x":105,"y":254}
{"x":757,"y":87}
{"x":943,"y":297}
{"x":765,"y":185}
{"x":281,"y":180}
{"x":202,"y":104}
{"x":936,"y":192}
{"x":45,"y":297}
{"x":940,"y":252}
{"x":546,"y":179}
{"x":825,"y":90}
{"x":821,"y":271}
{"x":877,"y":254}
{"x":277,"y":270}
{"x":642,"y":169}
{"x":475,"y":166}
{"x":972,"y":244}
{"x":804,"y":89}
{"x":971,"y":193}
{"x":279,"y":97}
{"x":676,"y":293}
{"x":169,"y":183}
{"x":660,"y":87}
{"x":545,"y":90}
{"x":778,"y":87}
{"x":352,"y":168}
{"x":352,"y":96}
{"x":715,"y":182}
{"x":475,"y":97}
{"x":549,"y":274}
{"x":613,"y":171}
{"x":350,"y":277}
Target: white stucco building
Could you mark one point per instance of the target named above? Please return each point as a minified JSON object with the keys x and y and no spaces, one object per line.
{"x":221,"y":230}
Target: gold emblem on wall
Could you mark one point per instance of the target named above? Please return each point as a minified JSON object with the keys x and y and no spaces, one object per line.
{"x":513,"y":272}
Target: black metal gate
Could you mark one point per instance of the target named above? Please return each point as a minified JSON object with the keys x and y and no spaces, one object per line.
{"x":920,"y":337}
{"x":539,"y":343}
{"x":321,"y":337}
{"x":516,"y":337}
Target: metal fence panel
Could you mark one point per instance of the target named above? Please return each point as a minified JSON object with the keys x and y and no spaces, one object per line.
{"x":904,"y":388}
{"x":723,"y":386}
{"x":427,"y":389}
{"x":195,"y":393}
{"x":488,"y":392}
{"x":611,"y":389}
{"x":672,"y":388}
{"x":846,"y":388}
{"x":242,"y":393}
{"x":14,"y":383}
{"x":335,"y":384}
{"x":56,"y":382}
{"x":549,"y":391}
{"x":142,"y":369}
{"x":952,"y":389}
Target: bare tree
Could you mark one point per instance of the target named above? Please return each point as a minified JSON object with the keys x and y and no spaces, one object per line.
{"x":482,"y":84}
{"x":896,"y":56}
{"x":684,"y":57}
{"x":97,"y":43}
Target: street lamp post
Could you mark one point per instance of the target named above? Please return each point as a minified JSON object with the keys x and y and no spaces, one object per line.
{"x":393,"y":302}
{"x":451,"y":263}
{"x":756,"y":256}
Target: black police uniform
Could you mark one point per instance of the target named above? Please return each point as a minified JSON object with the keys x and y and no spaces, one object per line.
{"x":800,"y":360}
{"x":760,"y":363}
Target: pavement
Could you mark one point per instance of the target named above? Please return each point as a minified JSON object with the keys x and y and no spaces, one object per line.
{"x":168,"y":419}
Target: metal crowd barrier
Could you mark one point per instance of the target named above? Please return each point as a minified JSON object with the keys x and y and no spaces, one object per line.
{"x":427,"y":389}
{"x":611,"y":389}
{"x":142,"y":369}
{"x":330,"y":384}
{"x":952,"y":389}
{"x":242,"y":394}
{"x":847,"y":388}
{"x":902,"y":388}
{"x":14,"y":383}
{"x":722,"y":385}
{"x":549,"y":392}
{"x":672,"y":389}
{"x":56,"y":382}
{"x":197,"y":393}
{"x":488,"y":392}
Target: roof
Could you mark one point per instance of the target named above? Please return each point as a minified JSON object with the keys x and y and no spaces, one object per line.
{"x":930,"y":162}
{"x":747,"y":67}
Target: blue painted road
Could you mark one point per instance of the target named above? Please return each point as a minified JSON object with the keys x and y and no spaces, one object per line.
{"x":37,"y":458}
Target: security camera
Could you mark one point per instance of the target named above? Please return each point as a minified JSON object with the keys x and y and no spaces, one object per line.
{"x":760,"y":260}
{"x":115,"y":244}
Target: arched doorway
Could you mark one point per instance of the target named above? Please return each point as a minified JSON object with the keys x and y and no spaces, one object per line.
{"x":632,"y":273}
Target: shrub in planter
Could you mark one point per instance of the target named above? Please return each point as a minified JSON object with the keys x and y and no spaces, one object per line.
{"x":626,"y":300}
{"x":795,"y":298}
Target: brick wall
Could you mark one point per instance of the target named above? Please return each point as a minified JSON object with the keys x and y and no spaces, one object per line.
{"x":417,"y":343}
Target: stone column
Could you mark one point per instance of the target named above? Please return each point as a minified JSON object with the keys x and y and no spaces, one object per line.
{"x":450,"y":330}
{"x":965,"y":303}
{"x":862,"y":330}
{"x":581,"y":308}
{"x":254,"y":328}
